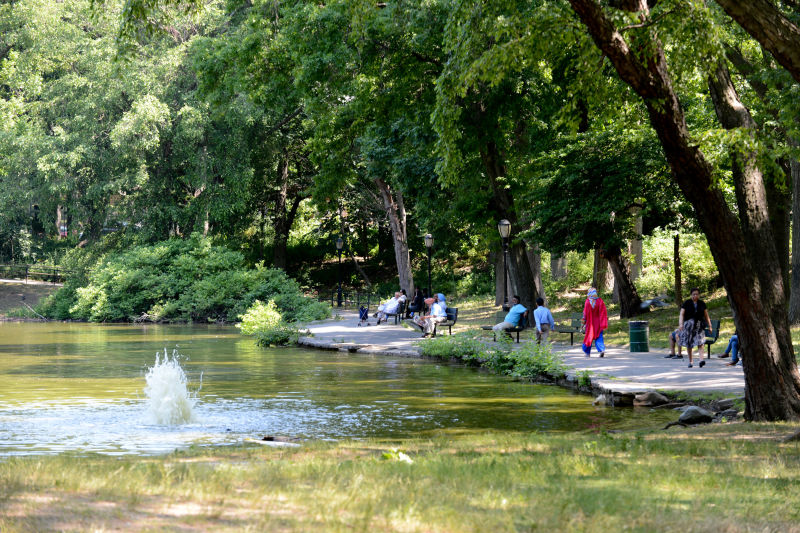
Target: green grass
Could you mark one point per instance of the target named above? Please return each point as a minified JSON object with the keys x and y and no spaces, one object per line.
{"x":725,"y":477}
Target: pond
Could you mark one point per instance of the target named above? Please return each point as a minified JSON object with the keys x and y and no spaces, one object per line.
{"x":80,"y":388}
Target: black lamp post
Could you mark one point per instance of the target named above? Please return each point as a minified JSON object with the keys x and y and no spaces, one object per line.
{"x":339,"y":245}
{"x":504,"y":227}
{"x":429,"y":246}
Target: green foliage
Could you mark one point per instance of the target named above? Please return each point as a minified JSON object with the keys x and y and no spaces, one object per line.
{"x":530,"y":360}
{"x":178,"y":280}
{"x":584,"y":378}
{"x":265,"y":323}
{"x":658,"y":272}
{"x":533,"y":360}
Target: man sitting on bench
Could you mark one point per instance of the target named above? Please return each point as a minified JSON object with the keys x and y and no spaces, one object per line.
{"x":437,"y":315}
{"x":389,"y":307}
{"x":512,"y":318}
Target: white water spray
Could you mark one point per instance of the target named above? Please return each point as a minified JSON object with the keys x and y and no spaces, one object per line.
{"x":169,"y":401}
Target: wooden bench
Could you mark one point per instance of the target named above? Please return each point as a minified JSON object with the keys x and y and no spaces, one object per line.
{"x":711,"y":337}
{"x":500,"y":316}
{"x":573,"y":327}
{"x":452,"y":317}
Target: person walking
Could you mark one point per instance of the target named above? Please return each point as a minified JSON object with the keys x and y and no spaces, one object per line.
{"x":544,"y":321}
{"x":595,"y":320}
{"x":692,"y":322}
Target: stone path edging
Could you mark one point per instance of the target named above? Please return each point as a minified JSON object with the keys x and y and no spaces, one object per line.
{"x":620,"y":372}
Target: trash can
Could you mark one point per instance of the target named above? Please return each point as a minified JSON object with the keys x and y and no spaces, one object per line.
{"x":639,"y":335}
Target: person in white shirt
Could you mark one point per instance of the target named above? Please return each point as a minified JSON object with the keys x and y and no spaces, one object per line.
{"x":388,"y":307}
{"x":438,"y":314}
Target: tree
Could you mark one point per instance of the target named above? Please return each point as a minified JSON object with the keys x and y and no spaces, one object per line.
{"x":743,"y":246}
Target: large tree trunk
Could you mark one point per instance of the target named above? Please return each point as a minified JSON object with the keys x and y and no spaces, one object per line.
{"x":794,"y":300}
{"x":519,"y":268}
{"x":396,"y":213}
{"x":763,"y":20}
{"x":743,"y":248}
{"x":629,"y":301}
{"x":676,"y":259}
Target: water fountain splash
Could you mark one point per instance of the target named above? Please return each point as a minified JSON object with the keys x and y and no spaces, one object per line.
{"x":169,"y":401}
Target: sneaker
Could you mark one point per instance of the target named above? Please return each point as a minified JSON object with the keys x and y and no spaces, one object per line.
{"x":723,"y":355}
{"x":678,"y":357}
{"x":731,"y":363}
{"x":690,"y":365}
{"x":669,"y":356}
{"x":702,"y":364}
{"x":602,"y":354}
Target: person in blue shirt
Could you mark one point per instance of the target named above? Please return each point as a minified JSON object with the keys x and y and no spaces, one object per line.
{"x":513,"y":317}
{"x":544,"y":321}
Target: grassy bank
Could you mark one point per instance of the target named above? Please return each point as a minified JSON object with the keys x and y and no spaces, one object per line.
{"x":729,"y":477}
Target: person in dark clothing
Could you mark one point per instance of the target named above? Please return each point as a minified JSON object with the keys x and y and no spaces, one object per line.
{"x":691,"y":323}
{"x":417,"y":305}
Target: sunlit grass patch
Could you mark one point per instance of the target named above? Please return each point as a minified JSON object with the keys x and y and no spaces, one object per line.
{"x":737,"y":476}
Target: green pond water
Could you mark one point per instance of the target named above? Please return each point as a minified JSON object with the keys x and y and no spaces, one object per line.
{"x":81,"y":388}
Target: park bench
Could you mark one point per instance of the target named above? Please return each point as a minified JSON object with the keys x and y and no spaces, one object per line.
{"x":711,"y":337}
{"x":572,"y":328}
{"x":452,"y":317}
{"x":401,"y":309}
{"x":500,"y":316}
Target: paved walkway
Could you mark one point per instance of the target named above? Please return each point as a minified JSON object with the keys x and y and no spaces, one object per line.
{"x":619,"y":370}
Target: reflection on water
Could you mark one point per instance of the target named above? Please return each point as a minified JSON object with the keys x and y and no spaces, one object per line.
{"x":80,"y":387}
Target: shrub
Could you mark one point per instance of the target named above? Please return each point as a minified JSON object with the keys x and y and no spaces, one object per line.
{"x":533,"y":360}
{"x":178,"y":280}
{"x":265,"y":322}
{"x":465,"y":345}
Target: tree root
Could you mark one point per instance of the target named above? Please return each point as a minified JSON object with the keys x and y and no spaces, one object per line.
{"x":675,"y":424}
{"x":793,"y":436}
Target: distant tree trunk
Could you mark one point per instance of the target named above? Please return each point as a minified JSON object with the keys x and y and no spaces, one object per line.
{"x":396,"y":213}
{"x":743,"y":246}
{"x":558,"y":267}
{"x":285,"y":212}
{"x":635,"y":246}
{"x":520,"y":270}
{"x":676,"y":258}
{"x":535,"y":260}
{"x":629,"y":301}
{"x":602,"y":276}
{"x":794,"y":300}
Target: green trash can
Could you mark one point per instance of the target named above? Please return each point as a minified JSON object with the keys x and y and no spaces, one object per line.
{"x":639,"y":335}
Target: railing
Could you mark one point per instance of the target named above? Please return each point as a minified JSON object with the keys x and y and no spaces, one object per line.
{"x":35,"y":272}
{"x":350,"y":299}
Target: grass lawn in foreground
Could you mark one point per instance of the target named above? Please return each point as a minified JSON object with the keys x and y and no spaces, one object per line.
{"x":725,"y":477}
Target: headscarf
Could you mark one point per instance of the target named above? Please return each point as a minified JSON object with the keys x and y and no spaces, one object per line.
{"x":441,"y":297}
{"x":592,"y":296}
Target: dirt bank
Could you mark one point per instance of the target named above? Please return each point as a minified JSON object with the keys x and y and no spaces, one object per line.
{"x":14,"y":295}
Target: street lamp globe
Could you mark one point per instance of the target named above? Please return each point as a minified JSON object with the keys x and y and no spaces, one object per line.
{"x":504,"y":227}
{"x":339,"y":243}
{"x":428,"y":241}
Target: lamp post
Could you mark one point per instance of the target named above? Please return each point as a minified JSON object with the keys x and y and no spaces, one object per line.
{"x":504,"y":227}
{"x":339,"y":245}
{"x":429,"y":246}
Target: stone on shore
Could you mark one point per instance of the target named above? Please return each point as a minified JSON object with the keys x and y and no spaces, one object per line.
{"x":696,"y":415}
{"x":650,"y":399}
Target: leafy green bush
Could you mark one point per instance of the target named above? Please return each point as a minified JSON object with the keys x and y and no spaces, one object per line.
{"x":177,"y":280}
{"x":533,"y":360}
{"x":265,"y":322}
{"x":530,"y":360}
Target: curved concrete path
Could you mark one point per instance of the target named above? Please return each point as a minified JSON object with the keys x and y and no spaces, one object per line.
{"x":619,"y":371}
